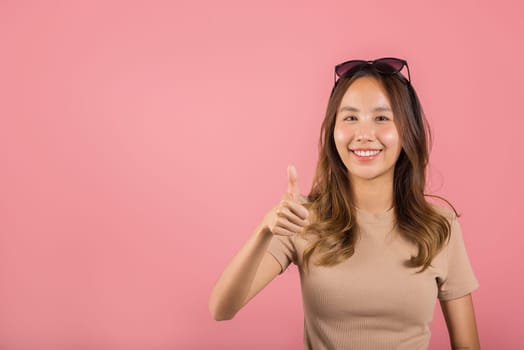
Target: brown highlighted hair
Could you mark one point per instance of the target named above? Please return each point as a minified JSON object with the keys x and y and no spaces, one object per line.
{"x":330,"y":199}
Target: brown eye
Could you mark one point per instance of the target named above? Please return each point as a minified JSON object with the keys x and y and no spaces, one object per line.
{"x":385,"y":118}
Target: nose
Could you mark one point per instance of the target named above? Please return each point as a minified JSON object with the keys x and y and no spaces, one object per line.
{"x":365,"y":132}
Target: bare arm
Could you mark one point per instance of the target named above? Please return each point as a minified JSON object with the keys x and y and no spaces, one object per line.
{"x":253,"y":267}
{"x":251,"y":270}
{"x":460,"y":320}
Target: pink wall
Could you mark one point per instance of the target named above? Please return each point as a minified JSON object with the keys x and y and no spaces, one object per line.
{"x":142,"y":142}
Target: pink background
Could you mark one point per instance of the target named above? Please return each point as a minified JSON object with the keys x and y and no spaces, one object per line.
{"x":142,"y":142}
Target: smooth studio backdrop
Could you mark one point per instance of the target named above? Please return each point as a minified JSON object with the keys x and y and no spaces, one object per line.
{"x":141,"y":142}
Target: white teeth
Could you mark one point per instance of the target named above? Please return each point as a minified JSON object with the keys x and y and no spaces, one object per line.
{"x":366,"y":153}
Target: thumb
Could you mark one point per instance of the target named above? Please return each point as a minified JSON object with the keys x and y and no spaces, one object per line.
{"x":292,"y":182}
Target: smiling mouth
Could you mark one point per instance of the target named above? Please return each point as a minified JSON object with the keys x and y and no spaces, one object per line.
{"x":366,"y":155}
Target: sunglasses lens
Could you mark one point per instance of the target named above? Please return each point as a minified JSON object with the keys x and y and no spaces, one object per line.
{"x":389,"y":65}
{"x":345,"y":67}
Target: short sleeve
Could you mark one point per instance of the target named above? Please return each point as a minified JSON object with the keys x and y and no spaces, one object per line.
{"x":283,"y":249}
{"x":459,"y":278}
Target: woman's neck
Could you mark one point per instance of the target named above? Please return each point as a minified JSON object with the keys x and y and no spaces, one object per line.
{"x":373,"y":196}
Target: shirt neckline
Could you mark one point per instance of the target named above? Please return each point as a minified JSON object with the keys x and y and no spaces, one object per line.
{"x":366,"y":216}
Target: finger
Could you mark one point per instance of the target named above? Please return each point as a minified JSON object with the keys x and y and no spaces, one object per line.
{"x":292,"y":216}
{"x":282,"y":232}
{"x":299,"y":209}
{"x":292,"y":183}
{"x":288,"y":225}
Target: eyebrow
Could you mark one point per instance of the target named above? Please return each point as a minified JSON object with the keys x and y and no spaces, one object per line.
{"x":353,"y":109}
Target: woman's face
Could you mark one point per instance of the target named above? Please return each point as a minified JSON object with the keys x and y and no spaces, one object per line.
{"x":365,"y":133}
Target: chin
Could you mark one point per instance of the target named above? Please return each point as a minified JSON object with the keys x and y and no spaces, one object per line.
{"x":368,"y":176}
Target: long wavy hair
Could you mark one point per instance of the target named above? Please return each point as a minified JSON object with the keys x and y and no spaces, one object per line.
{"x":330,"y":199}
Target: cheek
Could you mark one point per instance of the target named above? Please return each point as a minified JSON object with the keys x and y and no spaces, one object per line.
{"x":341,"y":135}
{"x":390,"y":137}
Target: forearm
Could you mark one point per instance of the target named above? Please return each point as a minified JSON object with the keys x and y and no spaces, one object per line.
{"x":461,"y":322}
{"x":234,"y":283}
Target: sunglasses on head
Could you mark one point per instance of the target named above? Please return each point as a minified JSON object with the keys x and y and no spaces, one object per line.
{"x":385,"y":65}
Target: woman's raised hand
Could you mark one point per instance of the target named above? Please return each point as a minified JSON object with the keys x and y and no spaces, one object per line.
{"x":289,"y":216}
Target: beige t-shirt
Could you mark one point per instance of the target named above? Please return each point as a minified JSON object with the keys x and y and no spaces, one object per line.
{"x":373,"y":300}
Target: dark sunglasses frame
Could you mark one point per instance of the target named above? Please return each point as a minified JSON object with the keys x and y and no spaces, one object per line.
{"x":384,"y":65}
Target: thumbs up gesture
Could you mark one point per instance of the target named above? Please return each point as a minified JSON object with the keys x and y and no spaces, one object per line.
{"x":289,"y":216}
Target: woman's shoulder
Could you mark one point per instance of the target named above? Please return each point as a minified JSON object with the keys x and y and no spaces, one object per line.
{"x":447,"y":212}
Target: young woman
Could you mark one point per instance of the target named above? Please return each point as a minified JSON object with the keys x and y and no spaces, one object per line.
{"x":373,"y":254}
